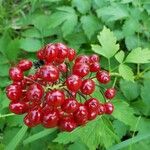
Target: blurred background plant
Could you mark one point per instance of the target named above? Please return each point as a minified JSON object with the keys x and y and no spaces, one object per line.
{"x":26,"y":25}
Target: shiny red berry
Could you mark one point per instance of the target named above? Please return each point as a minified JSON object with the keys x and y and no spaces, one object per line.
{"x":82,"y":59}
{"x":94,"y":58}
{"x":101,"y":109}
{"x":109,"y":108}
{"x":81,"y":115}
{"x":62,"y":67}
{"x":41,"y":54}
{"x":70,"y":105}
{"x":71,"y":54}
{"x":18,"y":107}
{"x":14,"y":92}
{"x":88,"y":86}
{"x":92,"y":114}
{"x":62,"y":50}
{"x":25,"y":64}
{"x":110,"y":93}
{"x":73,"y":83}
{"x":49,"y":73}
{"x":15,"y":74}
{"x":55,"y":98}
{"x":92,"y":104}
{"x":103,"y":76}
{"x":94,"y":67}
{"x":81,"y":69}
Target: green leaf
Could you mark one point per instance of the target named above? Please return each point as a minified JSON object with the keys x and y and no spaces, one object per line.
{"x":94,"y":133}
{"x":126,"y":72}
{"x":90,"y":25}
{"x":30,"y":44}
{"x":120,"y":56}
{"x":131,"y":90}
{"x":108,"y":46}
{"x":83,"y":6}
{"x":113,"y":12}
{"x":17,"y":138}
{"x":126,"y":1}
{"x":78,"y":145}
{"x":31,"y":33}
{"x":138,"y":55}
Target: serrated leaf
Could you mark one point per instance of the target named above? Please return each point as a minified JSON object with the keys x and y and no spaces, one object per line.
{"x":30,"y":44}
{"x":97,"y":130}
{"x":83,"y":6}
{"x":139,"y":56}
{"x":90,"y":25}
{"x":120,"y":56}
{"x":108,"y":46}
{"x":126,"y":72}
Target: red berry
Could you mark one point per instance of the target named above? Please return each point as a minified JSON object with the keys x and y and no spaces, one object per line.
{"x":101,"y":109}
{"x":18,"y":107}
{"x":50,"y":118}
{"x":94,"y":67}
{"x":109,"y":108}
{"x":50,"y":52}
{"x":22,"y":83}
{"x":73,"y":83}
{"x":92,"y":104}
{"x":62,"y":67}
{"x":92,"y":114}
{"x":94,"y":58}
{"x":110,"y":93}
{"x":41,"y":54}
{"x":55,"y":98}
{"x":82,"y":59}
{"x":35,"y":93}
{"x":81,"y":69}
{"x":67,"y":124}
{"x":88,"y":86}
{"x":49,"y":73}
{"x":15,"y":74}
{"x":71,"y":54}
{"x":81,"y":115}
{"x":25,"y":64}
{"x":103,"y":76}
{"x":33,"y":117}
{"x":70,"y":105}
{"x":14,"y":92}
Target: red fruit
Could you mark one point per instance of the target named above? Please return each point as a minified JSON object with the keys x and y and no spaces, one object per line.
{"x":49,"y":73}
{"x":50,"y":52}
{"x":92,"y":104}
{"x":55,"y":98}
{"x":94,"y":67}
{"x":110,"y":93}
{"x":41,"y":54}
{"x":14,"y":92}
{"x":88,"y":86}
{"x":82,"y":59}
{"x":109,"y":108}
{"x":73,"y":83}
{"x":22,"y":83}
{"x":18,"y":107}
{"x":15,"y":74}
{"x":62,"y":67}
{"x":101,"y":109}
{"x":35,"y":93}
{"x":67,"y":124}
{"x":62,"y":50}
{"x":50,"y":118}
{"x":25,"y":64}
{"x":81,"y":69}
{"x":92,"y":114}
{"x":70,"y":105}
{"x":81,"y":115}
{"x":94,"y":58}
{"x":71,"y":54}
{"x":33,"y":117}
{"x":103,"y":76}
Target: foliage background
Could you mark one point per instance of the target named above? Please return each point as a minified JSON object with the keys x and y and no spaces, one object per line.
{"x":124,"y":43}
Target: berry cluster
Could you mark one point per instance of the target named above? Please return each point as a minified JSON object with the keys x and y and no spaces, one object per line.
{"x":49,"y":96}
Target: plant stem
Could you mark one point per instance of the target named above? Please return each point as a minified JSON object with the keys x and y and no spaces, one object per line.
{"x":6,"y":115}
{"x":114,"y":82}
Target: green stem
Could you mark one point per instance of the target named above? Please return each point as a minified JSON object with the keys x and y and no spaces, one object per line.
{"x":115,"y":74}
{"x":114,"y":82}
{"x":109,"y":65}
{"x":6,"y":115}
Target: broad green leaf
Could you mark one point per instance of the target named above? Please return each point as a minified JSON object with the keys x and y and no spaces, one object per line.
{"x":138,"y":55}
{"x":17,"y":138}
{"x":126,"y":72}
{"x":145,"y":92}
{"x":94,"y":133}
{"x":131,"y":90}
{"x":126,"y":1}
{"x":77,"y":145}
{"x":90,"y":25}
{"x":108,"y":46}
{"x":83,"y":6}
{"x":113,"y":12}
{"x":4,"y":81}
{"x":30,"y":44}
{"x":31,"y":33}
{"x":124,"y":113}
{"x":4,"y":69}
{"x":120,"y":56}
